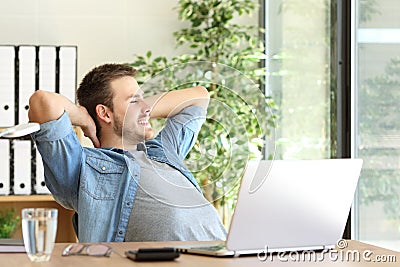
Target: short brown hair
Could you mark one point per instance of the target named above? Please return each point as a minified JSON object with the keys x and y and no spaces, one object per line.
{"x":95,"y":87}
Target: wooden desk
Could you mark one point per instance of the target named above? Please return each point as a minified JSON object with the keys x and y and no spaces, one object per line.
{"x":118,"y":258}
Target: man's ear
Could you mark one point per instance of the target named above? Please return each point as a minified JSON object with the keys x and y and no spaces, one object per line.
{"x":103,"y":113}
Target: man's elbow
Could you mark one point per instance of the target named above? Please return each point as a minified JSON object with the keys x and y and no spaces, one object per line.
{"x":203,"y":91}
{"x":203,"y":98}
{"x":40,"y":105}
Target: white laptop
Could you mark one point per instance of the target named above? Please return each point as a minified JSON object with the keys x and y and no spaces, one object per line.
{"x":288,"y":206}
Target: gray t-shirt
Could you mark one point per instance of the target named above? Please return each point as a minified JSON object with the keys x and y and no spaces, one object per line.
{"x":168,"y":207}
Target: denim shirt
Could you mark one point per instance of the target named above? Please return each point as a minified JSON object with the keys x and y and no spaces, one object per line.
{"x":100,"y":183}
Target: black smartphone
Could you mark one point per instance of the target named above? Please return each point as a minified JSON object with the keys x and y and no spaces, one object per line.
{"x":153,"y":254}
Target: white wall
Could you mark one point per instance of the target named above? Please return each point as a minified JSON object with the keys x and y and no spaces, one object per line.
{"x":103,"y":30}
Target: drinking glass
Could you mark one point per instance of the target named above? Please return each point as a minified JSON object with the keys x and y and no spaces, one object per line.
{"x":39,"y":228}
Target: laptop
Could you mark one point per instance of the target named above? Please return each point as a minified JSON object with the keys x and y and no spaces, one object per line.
{"x":288,"y":205}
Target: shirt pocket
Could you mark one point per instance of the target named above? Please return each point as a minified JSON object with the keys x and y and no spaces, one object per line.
{"x":101,"y":178}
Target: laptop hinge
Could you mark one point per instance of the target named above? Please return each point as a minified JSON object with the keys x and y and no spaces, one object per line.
{"x":236,"y":254}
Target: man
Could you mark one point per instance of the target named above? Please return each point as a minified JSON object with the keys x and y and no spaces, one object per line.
{"x":125,"y":189}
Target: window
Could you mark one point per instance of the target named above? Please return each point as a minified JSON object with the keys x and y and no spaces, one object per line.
{"x":300,"y":81}
{"x":334,"y":68}
{"x":376,"y":120}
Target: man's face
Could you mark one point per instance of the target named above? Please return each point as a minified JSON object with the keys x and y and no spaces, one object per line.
{"x":131,"y":113}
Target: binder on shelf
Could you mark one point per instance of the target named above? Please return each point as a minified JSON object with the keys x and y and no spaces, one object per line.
{"x":7,"y":86}
{"x":4,"y":167}
{"x":67,"y":71}
{"x":47,"y":68}
{"x":27,"y":72}
{"x":40,"y":185}
{"x":22,"y":167}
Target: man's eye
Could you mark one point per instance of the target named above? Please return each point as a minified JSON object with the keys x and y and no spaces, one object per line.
{"x":134,"y":101}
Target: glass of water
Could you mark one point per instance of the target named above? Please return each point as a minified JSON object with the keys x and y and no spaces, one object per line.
{"x":39,"y":228}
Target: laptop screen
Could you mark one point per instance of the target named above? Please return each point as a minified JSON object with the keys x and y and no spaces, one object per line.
{"x":292,"y":204}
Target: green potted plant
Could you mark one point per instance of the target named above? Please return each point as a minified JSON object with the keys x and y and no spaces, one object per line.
{"x":226,"y":58}
{"x":8,"y":223}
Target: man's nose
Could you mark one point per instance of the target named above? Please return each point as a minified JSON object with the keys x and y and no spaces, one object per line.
{"x":146,"y":108}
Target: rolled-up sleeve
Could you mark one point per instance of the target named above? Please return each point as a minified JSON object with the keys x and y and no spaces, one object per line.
{"x":62,"y":154}
{"x":180,"y":131}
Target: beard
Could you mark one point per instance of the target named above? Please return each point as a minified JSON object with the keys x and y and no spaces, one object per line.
{"x":129,"y":135}
{"x":118,"y":125}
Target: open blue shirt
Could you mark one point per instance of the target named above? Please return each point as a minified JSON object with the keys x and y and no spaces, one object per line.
{"x":100,"y":183}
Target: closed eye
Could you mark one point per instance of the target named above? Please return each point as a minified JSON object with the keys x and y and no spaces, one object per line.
{"x":136,"y":98}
